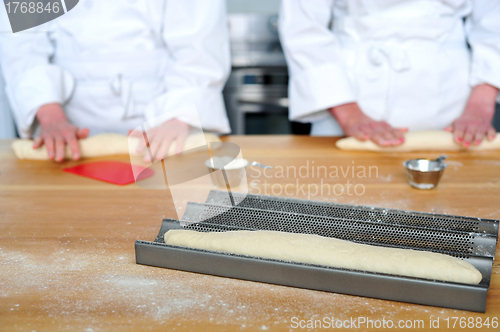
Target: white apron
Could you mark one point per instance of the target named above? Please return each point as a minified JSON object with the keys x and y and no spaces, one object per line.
{"x":415,"y":76}
{"x":112,"y":91}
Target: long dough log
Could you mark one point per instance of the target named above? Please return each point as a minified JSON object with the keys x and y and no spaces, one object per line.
{"x":103,"y":145}
{"x":315,"y":249}
{"x":433,"y":140}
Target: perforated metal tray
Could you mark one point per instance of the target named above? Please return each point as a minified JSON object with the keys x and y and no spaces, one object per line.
{"x":471,"y":239}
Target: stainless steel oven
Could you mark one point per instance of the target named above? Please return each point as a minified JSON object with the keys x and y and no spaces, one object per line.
{"x":256,"y":94}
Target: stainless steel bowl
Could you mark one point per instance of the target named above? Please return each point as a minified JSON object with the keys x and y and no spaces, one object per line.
{"x":234,"y":173}
{"x":233,"y":170}
{"x":424,"y":173}
{"x":234,"y":177}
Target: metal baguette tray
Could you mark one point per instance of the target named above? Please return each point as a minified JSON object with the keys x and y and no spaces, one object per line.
{"x":471,"y":239}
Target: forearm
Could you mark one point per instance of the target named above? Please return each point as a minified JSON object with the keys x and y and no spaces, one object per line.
{"x":201,"y":63}
{"x":346,"y":113}
{"x":30,"y":79}
{"x":355,"y":123}
{"x":50,"y":113}
{"x":482,"y":97}
{"x":475,"y":122}
{"x":319,"y":77}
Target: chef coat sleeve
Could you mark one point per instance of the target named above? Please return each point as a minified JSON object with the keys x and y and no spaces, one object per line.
{"x":318,"y":76}
{"x":30,"y":79}
{"x":196,"y":36}
{"x":483,"y":33}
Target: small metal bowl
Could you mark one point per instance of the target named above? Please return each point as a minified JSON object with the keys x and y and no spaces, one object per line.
{"x":424,"y":173}
{"x":234,"y":174}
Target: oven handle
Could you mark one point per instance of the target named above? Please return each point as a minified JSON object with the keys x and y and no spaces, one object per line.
{"x":268,"y":101}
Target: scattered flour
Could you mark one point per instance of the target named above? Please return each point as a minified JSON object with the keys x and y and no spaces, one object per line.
{"x":387,"y":178}
{"x":453,"y":163}
{"x":69,"y":285}
{"x":487,"y":162}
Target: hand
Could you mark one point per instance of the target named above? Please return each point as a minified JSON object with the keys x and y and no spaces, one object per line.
{"x":160,"y":138}
{"x":475,"y":122}
{"x":356,"y":124}
{"x":57,"y":132}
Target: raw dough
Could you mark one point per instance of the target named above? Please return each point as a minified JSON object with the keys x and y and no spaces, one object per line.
{"x":315,"y":249}
{"x":103,"y":145}
{"x":433,"y":140}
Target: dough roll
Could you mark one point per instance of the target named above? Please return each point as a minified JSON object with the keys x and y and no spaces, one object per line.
{"x":315,"y":249}
{"x":103,"y":145}
{"x":433,"y":140}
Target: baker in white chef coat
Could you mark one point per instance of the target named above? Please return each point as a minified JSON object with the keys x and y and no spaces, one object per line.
{"x":373,"y":69}
{"x":109,"y":66}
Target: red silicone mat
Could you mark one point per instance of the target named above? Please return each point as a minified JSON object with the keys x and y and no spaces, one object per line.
{"x":115,"y":172}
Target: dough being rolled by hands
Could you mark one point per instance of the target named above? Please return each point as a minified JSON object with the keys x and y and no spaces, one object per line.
{"x":315,"y":249}
{"x":432,"y":140}
{"x":104,"y":145}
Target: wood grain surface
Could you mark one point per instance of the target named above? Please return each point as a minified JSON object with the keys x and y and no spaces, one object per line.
{"x":67,"y":257}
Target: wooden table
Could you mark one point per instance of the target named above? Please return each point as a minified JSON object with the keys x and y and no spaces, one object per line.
{"x":67,"y":244}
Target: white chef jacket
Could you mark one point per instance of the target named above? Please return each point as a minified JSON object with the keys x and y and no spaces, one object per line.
{"x":403,"y":61}
{"x":115,"y":64}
